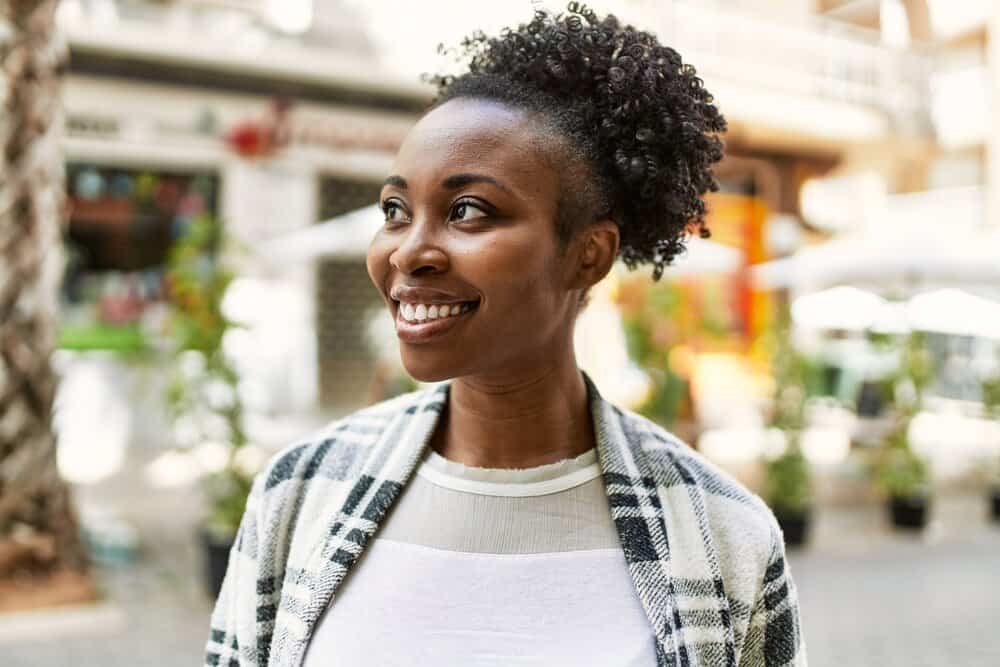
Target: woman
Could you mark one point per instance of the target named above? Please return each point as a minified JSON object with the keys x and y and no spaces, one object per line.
{"x":531,"y":521}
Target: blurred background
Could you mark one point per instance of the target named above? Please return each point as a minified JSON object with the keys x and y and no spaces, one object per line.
{"x":203,"y":301}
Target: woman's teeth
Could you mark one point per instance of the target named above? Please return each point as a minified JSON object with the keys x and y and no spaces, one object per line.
{"x":421,"y":312}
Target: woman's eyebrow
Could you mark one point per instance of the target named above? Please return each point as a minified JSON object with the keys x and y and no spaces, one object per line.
{"x":456,"y":181}
{"x":397,"y":181}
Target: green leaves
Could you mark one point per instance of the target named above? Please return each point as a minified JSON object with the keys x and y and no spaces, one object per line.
{"x":899,"y":471}
{"x":667,"y":392}
{"x":793,"y":375}
{"x":203,"y":393}
{"x":991,"y":395}
{"x":649,"y":318}
{"x":788,"y":481}
{"x":197,"y":282}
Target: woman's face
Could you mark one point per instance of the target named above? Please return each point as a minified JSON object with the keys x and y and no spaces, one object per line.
{"x":468,"y":259}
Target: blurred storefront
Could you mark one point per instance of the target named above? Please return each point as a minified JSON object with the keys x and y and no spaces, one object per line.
{"x":222,"y":110}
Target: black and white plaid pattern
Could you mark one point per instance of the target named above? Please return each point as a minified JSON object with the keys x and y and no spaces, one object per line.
{"x":706,"y":556}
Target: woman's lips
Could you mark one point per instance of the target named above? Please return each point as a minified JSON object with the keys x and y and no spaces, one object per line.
{"x":423,"y":332}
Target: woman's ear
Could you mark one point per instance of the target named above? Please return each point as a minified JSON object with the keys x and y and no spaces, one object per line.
{"x":597,"y":252}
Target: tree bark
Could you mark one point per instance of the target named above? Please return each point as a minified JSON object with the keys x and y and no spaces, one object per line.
{"x":38,"y":526}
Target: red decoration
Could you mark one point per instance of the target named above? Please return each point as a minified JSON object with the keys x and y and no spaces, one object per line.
{"x":261,"y":138}
{"x":248,"y":139}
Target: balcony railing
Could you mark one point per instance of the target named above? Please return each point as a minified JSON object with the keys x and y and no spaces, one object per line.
{"x":814,"y":57}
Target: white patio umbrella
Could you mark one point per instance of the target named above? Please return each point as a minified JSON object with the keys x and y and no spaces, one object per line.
{"x":349,"y":235}
{"x":959,"y":260}
{"x":841,"y":307}
{"x":956,"y":312}
{"x":951,"y":311}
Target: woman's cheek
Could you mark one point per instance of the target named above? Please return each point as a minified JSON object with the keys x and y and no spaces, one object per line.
{"x":511,"y":254}
{"x":377,"y":262}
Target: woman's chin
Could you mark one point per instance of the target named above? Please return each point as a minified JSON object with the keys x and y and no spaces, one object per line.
{"x":422,"y":369}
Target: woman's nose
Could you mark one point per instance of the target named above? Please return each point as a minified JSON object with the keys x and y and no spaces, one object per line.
{"x":418,"y":252}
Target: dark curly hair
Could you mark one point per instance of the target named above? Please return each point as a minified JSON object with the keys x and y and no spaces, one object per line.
{"x":640,"y":118}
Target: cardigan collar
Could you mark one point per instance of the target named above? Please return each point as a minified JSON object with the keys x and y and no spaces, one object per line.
{"x":629,"y":482}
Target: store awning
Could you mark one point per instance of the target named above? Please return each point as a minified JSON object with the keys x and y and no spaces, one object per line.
{"x":346,"y":236}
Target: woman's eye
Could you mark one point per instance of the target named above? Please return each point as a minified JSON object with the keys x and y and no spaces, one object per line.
{"x":465,"y":211}
{"x":393,"y":212}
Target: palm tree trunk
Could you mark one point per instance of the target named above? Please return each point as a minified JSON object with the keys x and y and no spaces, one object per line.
{"x":38,"y":527}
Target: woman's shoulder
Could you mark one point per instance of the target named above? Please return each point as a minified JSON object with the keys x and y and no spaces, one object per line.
{"x":737,"y":519}
{"x":338,"y":449}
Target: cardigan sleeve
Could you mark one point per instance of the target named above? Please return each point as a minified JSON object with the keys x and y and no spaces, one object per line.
{"x":232,"y":637}
{"x":774,"y":635}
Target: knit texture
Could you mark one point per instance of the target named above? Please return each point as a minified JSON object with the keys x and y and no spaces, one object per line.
{"x":706,"y":556}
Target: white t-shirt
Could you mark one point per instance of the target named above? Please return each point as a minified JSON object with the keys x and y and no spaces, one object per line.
{"x":479,"y":566}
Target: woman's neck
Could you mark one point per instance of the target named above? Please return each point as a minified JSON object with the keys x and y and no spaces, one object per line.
{"x":521,"y":422}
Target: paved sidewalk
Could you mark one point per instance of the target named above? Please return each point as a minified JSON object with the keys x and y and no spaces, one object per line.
{"x":870,"y":596}
{"x":155,"y":612}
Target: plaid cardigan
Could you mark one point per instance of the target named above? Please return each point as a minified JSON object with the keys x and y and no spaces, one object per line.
{"x":706,"y":556}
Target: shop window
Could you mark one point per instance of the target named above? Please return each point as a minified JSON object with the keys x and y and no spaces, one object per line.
{"x":122,"y":224}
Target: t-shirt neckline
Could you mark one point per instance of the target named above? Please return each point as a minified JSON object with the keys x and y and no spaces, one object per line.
{"x":511,"y":482}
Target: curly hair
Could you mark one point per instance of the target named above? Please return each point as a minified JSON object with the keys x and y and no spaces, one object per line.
{"x":641,"y":119}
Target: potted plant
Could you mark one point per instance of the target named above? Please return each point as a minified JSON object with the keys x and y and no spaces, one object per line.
{"x":788,"y":488}
{"x":902,"y":474}
{"x":203,"y":394}
{"x":788,"y":491}
{"x":905,"y":478}
{"x":991,"y":409}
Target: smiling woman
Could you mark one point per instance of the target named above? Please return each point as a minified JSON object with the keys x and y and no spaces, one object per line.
{"x":510,"y":513}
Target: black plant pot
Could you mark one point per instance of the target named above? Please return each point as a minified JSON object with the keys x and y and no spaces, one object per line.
{"x":995,"y":503}
{"x":870,"y":399}
{"x":909,"y":512}
{"x":795,"y":526}
{"x":215,"y":555}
